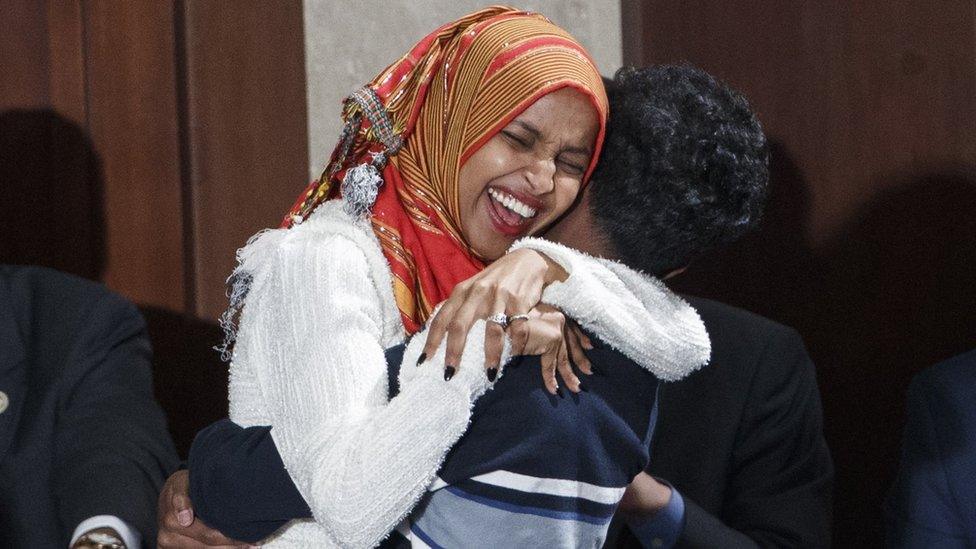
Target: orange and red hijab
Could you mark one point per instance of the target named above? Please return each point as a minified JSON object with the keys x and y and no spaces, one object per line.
{"x":420,"y":120}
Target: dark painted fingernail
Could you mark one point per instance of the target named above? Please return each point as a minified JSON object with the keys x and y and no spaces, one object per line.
{"x":492,"y":374}
{"x":583,"y":387}
{"x":423,"y":357}
{"x":449,"y":372}
{"x":596,"y":370}
{"x":559,"y":392}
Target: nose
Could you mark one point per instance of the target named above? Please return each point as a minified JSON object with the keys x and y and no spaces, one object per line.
{"x":540,"y":175}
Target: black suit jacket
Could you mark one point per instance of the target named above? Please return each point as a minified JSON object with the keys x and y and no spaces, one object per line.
{"x":81,"y":435}
{"x":742,"y":439}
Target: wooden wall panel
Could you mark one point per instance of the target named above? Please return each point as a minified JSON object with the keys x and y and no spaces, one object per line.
{"x":855,"y":90}
{"x":23,"y":55}
{"x":248,"y":143}
{"x":41,"y":57}
{"x":50,"y":183}
{"x":141,"y":143}
{"x":133,"y":124}
{"x":869,"y":239}
{"x":65,"y":38}
{"x":174,"y":130}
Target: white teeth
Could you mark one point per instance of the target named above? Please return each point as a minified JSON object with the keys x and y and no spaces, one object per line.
{"x":512,"y":203}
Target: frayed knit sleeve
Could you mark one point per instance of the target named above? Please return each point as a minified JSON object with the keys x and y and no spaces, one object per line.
{"x":632,"y":312}
{"x":311,"y":334}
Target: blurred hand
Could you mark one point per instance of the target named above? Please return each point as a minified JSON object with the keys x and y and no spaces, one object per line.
{"x":644,"y":497}
{"x":178,"y":527}
{"x":91,"y":539}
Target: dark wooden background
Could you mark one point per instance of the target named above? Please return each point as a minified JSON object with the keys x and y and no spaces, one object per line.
{"x":869,"y":243}
{"x":190,"y":121}
{"x":141,"y":143}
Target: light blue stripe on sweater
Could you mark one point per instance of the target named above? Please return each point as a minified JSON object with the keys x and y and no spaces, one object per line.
{"x":451,"y":517}
{"x":527,"y":510}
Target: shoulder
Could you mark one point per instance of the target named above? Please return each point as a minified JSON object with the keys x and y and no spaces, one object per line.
{"x":934,"y":483}
{"x":330,"y":247}
{"x":746,"y":338}
{"x":45,"y":299}
{"x":58,"y":315}
{"x":332,"y":224}
{"x":329,"y":235}
{"x":753,"y":358}
{"x":732,"y":322}
{"x":959,"y":371}
{"x":329,"y":258}
{"x":948,"y":386}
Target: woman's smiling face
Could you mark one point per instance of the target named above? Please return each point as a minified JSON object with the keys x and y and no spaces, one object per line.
{"x":528,"y":174}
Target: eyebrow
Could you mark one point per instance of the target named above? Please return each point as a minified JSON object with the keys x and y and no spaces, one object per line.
{"x":538,"y":135}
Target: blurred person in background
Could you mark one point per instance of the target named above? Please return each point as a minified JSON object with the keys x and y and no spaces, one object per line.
{"x":933,"y":500}
{"x":84,"y":448}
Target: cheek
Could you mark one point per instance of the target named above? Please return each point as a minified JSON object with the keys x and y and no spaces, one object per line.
{"x":566,"y":191}
{"x":494,"y":159}
{"x":471,"y":182}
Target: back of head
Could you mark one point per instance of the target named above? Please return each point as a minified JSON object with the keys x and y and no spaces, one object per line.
{"x":684,"y":167}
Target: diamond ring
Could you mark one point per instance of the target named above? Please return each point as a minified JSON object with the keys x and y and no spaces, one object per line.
{"x":499,"y":318}
{"x":520,"y":316}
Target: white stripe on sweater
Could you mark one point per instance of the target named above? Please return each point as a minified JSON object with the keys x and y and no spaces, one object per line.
{"x":548,"y":486}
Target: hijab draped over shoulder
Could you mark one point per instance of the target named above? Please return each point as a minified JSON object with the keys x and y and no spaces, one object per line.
{"x":408,"y":132}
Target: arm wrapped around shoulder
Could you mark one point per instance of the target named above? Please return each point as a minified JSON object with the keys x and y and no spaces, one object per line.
{"x":632,"y":312}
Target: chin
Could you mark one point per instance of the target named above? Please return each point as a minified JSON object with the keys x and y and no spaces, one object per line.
{"x":490,"y":251}
{"x":494,"y":253}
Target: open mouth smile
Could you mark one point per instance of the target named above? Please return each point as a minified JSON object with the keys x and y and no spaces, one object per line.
{"x":508,"y":214}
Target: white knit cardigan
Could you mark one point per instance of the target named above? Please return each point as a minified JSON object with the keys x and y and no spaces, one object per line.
{"x":309,"y":361}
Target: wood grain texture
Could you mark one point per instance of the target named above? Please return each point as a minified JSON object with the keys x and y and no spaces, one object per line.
{"x":855,"y":91}
{"x":50,"y":182}
{"x":24,"y":55}
{"x":869,"y":235}
{"x":248,"y":144}
{"x":65,"y":41}
{"x":133,"y":125}
{"x":41,"y":57}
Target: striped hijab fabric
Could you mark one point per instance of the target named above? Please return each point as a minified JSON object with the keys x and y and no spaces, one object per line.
{"x":428,"y":113}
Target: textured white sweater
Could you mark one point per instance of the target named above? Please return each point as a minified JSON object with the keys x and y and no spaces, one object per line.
{"x":309,"y":360}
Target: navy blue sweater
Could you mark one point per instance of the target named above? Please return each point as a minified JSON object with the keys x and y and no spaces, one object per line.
{"x":599,"y":437}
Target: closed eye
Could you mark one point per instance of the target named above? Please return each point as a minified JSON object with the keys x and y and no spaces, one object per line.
{"x":516,"y":139}
{"x":571,"y":168}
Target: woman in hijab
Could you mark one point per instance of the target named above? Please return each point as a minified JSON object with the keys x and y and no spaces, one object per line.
{"x":483,"y":133}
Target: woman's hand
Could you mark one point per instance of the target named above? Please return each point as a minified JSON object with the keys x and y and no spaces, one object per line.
{"x":556,"y":340}
{"x":511,"y":285}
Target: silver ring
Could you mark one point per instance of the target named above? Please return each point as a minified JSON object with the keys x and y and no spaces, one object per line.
{"x":499,"y":318}
{"x":520,"y":316}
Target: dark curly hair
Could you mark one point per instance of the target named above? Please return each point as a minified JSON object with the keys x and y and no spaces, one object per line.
{"x":684,"y":168}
